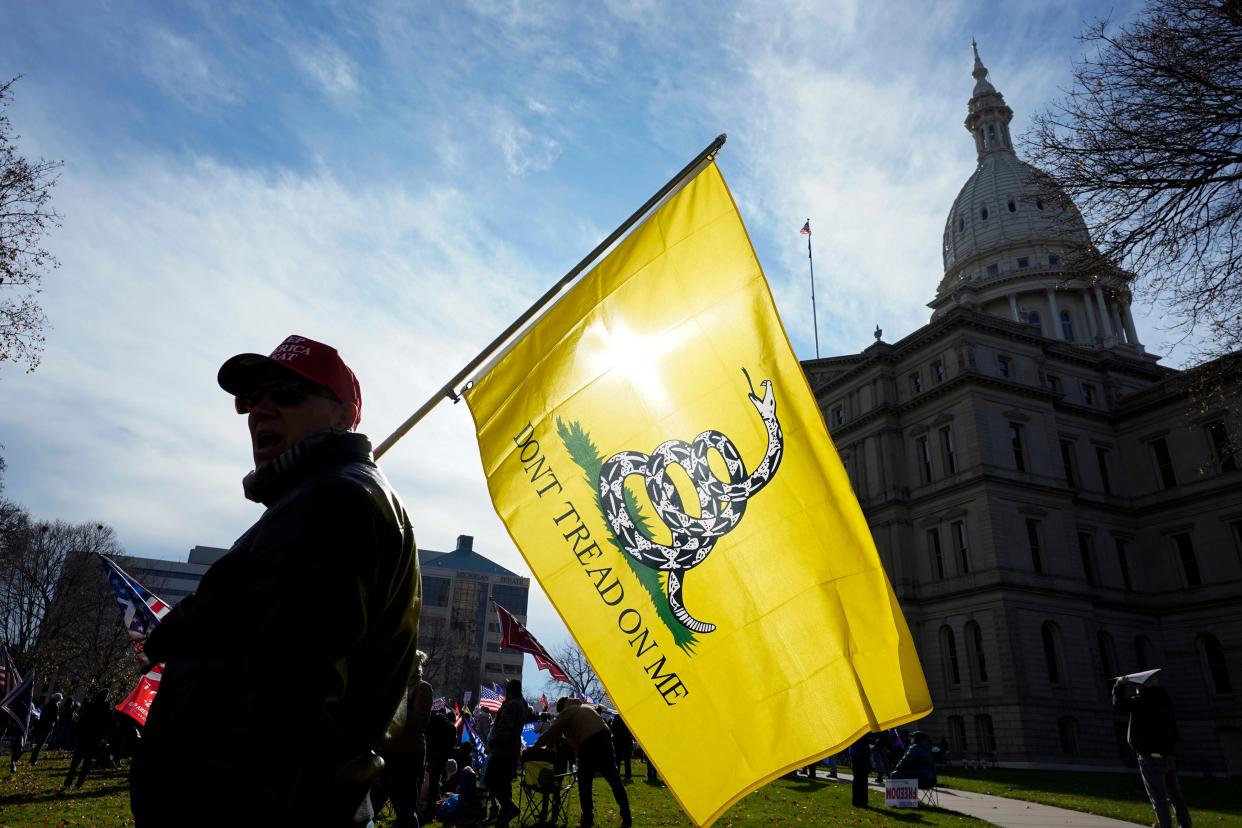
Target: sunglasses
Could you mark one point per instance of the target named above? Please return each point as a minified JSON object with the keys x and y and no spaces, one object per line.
{"x":286,"y":394}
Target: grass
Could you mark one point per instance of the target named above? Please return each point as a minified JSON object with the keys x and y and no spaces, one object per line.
{"x":1213,"y":802}
{"x":32,"y":798}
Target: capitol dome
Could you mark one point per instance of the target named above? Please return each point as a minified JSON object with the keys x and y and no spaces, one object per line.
{"x":1003,"y":220}
{"x":1009,"y":240}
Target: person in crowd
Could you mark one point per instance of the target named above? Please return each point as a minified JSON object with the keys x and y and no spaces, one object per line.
{"x":482,"y":722}
{"x":860,"y":764}
{"x":93,"y":725}
{"x":881,"y":746}
{"x":944,"y":750}
{"x":441,"y":739}
{"x":622,"y":744}
{"x":503,"y":750}
{"x":918,"y":762}
{"x":587,"y":734}
{"x":46,"y":725}
{"x":1153,"y":735}
{"x":404,"y":751}
{"x":302,"y":637}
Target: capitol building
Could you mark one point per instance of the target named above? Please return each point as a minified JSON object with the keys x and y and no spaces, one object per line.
{"x":1053,"y":507}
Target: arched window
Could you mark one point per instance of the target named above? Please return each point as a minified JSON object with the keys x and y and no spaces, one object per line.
{"x":979,"y":663}
{"x":1217,"y":669}
{"x":1067,"y":326}
{"x":961,"y":223}
{"x":1013,"y":208}
{"x":1033,"y":319}
{"x":948,"y":654}
{"x":1039,"y":203}
{"x":983,"y":213}
{"x":985,"y":733}
{"x":1052,"y":660}
{"x":1108,"y":657}
{"x":1142,"y":652}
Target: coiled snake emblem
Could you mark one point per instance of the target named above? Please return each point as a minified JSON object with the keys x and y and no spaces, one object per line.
{"x":721,"y":503}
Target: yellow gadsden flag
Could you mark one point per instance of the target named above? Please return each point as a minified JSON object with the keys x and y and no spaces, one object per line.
{"x":658,"y":457}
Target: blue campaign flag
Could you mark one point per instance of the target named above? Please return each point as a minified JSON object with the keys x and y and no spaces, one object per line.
{"x":528,"y":734}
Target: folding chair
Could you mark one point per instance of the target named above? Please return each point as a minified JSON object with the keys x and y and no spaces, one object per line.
{"x":544,"y":790}
{"x":929,"y":796}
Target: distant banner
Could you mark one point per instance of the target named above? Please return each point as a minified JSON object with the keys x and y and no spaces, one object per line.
{"x":138,"y":703}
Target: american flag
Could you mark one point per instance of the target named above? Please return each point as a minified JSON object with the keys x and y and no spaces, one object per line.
{"x":9,"y":677}
{"x":806,"y":228}
{"x":438,"y":702}
{"x":141,"y":611}
{"x":490,"y":699}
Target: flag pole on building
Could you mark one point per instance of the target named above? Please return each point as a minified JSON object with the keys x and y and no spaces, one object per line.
{"x":806,"y":231}
{"x":449,"y":390}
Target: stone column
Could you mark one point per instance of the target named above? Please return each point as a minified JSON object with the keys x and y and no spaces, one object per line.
{"x":1128,"y":320}
{"x":1013,"y":307}
{"x":1057,"y":333}
{"x":1115,"y":317}
{"x":1104,"y":323}
{"x":1089,"y":306}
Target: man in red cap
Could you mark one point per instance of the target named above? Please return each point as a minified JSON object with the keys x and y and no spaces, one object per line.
{"x":283,"y":669}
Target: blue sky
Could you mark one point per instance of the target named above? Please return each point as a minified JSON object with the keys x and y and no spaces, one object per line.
{"x":402,"y":179}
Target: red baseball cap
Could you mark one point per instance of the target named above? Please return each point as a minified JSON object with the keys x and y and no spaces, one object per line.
{"x":308,"y":359}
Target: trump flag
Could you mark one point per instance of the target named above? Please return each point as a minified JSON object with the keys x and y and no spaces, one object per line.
{"x":657,"y":455}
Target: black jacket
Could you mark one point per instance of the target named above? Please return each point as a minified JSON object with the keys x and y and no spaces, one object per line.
{"x":283,"y":669}
{"x":1153,"y":727}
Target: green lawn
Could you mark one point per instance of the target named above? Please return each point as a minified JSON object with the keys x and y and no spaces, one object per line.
{"x":32,"y":798}
{"x":1213,"y":802}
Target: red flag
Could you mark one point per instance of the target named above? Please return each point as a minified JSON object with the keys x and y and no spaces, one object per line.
{"x":543,"y":702}
{"x":806,"y":228}
{"x":516,"y":637}
{"x":138,"y":703}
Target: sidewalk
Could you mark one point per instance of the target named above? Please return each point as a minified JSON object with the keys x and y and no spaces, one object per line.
{"x":1010,"y":813}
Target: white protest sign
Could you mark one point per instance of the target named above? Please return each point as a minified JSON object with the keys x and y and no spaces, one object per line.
{"x":901,"y":793}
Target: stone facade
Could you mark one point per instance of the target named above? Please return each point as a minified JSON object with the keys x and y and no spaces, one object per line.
{"x":1052,"y":506}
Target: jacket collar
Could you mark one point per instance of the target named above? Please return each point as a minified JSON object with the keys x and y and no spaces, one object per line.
{"x":324,"y":449}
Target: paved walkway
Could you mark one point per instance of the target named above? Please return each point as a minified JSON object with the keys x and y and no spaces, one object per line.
{"x":1012,"y":813}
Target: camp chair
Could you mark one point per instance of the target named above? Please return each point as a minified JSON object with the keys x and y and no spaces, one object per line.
{"x":930,"y":796}
{"x":544,"y":790}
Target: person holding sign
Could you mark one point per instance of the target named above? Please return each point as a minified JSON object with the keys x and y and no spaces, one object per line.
{"x":1153,"y":735}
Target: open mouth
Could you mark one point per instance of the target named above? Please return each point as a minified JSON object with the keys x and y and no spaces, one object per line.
{"x":266,"y":440}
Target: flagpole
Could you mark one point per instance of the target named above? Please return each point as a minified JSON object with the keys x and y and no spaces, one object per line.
{"x":814,"y":315}
{"x":449,"y":392}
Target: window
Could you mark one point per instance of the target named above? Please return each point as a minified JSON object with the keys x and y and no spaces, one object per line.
{"x":1164,"y":463}
{"x":1053,"y":383}
{"x":1186,"y":554}
{"x":512,"y":598}
{"x":916,"y":383}
{"x":1032,"y":540}
{"x":1034,"y":321}
{"x":1217,"y":669}
{"x":983,"y":213}
{"x":1088,"y":394}
{"x":985,"y":734}
{"x":435,"y":591}
{"x":838,"y":415}
{"x":1108,"y":657}
{"x":1123,"y":563}
{"x":1013,"y":208}
{"x":1067,"y":461}
{"x":1086,"y":551}
{"x":993,"y":269}
{"x":963,"y":553}
{"x":1039,"y":204}
{"x":961,"y":223}
{"x":1051,"y":662}
{"x":1015,"y":442}
{"x":924,"y":457}
{"x":974,"y":639}
{"x":938,"y":371}
{"x":1053,"y":261}
{"x":1067,"y":324}
{"x":948,"y":650}
{"x":1002,"y":366}
{"x":1101,"y":459}
{"x":493,"y":647}
{"x":946,"y":444}
{"x":957,"y":735}
{"x":937,"y":558}
{"x":1142,"y":652}
{"x":1067,"y":726}
{"x":1219,"y":435}
{"x":1023,"y":263}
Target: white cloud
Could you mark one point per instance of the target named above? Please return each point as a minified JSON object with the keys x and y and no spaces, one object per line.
{"x":184,"y":70}
{"x":328,"y":67}
{"x":524,"y":151}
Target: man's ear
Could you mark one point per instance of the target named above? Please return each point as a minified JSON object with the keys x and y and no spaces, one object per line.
{"x":348,"y":413}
